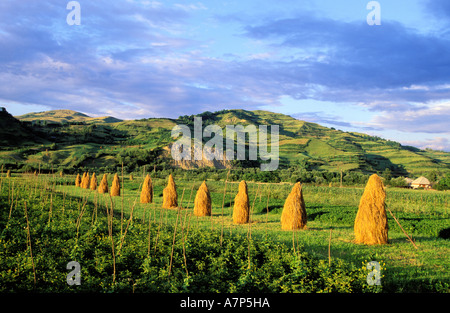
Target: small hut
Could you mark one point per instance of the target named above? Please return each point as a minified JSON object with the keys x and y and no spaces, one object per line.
{"x":408,"y":181}
{"x":421,"y":182}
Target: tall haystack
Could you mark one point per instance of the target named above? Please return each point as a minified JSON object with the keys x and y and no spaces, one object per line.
{"x":78,"y":181}
{"x":241,"y":205}
{"x":202,"y":202}
{"x":93,"y":182}
{"x":115,"y":188}
{"x":294,"y":210}
{"x":371,"y":226}
{"x":85,"y":181}
{"x":103,"y":187}
{"x":170,"y":196}
{"x":147,"y":190}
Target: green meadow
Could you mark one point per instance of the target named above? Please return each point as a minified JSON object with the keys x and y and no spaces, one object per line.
{"x":163,"y":239}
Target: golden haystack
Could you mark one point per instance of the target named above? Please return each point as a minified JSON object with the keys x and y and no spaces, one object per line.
{"x":147,"y":190}
{"x":202,"y":202}
{"x":93,"y":182}
{"x":78,"y":181}
{"x":241,"y":205}
{"x":115,"y":188}
{"x":103,"y":187}
{"x":371,"y":225}
{"x":85,"y":181}
{"x":170,"y":196}
{"x":294,"y":210}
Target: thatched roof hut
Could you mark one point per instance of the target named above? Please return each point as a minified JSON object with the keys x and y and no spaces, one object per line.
{"x":408,"y":181}
{"x":421,"y":182}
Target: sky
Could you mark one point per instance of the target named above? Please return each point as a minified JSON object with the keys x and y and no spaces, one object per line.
{"x":315,"y":60}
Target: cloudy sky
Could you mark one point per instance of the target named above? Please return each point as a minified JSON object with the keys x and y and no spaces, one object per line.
{"x":316,"y":60}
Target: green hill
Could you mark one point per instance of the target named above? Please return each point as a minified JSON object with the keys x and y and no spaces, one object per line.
{"x":71,"y":140}
{"x":65,"y":116}
{"x":14,"y":133}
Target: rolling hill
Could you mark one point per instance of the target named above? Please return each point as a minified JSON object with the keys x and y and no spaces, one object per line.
{"x":65,"y":116}
{"x":71,"y":140}
{"x":13,"y":132}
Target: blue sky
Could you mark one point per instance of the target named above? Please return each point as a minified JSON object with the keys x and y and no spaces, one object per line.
{"x":317,"y":61}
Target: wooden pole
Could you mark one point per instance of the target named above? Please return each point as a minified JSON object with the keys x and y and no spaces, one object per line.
{"x":121,"y":211}
{"x":329,"y":248}
{"x":223,"y":203}
{"x":174,"y":234}
{"x":29,"y":242}
{"x":409,"y":238}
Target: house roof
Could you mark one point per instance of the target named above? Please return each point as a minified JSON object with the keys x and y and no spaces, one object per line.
{"x":421,"y":181}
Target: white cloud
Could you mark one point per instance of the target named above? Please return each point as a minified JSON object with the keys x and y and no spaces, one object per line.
{"x":437,"y":143}
{"x":432,"y":118}
{"x":191,"y":6}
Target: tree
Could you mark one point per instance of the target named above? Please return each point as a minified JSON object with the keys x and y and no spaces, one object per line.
{"x":387,"y":174}
{"x":444,"y":183}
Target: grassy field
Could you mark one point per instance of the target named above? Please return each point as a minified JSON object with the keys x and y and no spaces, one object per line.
{"x":328,"y":237}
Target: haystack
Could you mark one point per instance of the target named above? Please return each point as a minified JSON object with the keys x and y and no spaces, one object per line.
{"x":103,"y":187}
{"x":85,"y":181}
{"x":147,"y":190}
{"x":170,"y":196}
{"x":78,"y":181}
{"x":241,"y":205}
{"x":202,"y":202}
{"x":82,"y":179}
{"x":371,"y":225}
{"x":93,"y":182}
{"x":294,"y":210}
{"x":115,"y":188}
